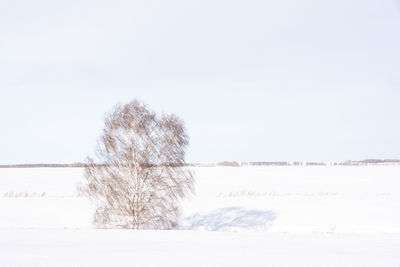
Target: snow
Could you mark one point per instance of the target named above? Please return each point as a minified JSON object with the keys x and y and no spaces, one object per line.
{"x":340,"y":199}
{"x":240,"y":216}
{"x":193,"y":248}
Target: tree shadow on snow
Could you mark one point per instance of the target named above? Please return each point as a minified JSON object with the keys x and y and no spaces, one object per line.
{"x":230,"y":219}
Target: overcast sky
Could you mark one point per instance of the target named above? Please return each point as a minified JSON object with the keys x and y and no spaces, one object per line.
{"x":253,"y":80}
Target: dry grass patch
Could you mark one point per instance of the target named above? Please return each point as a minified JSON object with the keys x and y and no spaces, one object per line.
{"x":12,"y":194}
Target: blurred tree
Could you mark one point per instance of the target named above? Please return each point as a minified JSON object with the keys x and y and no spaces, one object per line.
{"x":138,"y":174}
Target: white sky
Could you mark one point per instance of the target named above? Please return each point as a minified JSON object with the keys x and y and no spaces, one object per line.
{"x":253,"y":80}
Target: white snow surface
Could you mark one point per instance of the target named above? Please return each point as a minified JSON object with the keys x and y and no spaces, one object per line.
{"x":240,"y":216}
{"x":193,"y":248}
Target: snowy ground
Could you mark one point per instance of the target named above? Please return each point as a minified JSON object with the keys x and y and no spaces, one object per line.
{"x":247,"y":216}
{"x":194,"y":248}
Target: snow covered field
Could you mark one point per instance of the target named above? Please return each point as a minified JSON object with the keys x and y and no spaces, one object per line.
{"x":193,"y":248}
{"x":240,"y":216}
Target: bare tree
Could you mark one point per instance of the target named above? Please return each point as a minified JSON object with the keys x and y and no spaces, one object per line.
{"x":138,"y":174}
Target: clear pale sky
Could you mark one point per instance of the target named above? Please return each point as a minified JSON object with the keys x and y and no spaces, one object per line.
{"x":253,"y":80}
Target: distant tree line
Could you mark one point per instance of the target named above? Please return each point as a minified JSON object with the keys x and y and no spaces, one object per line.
{"x":269,"y":163}
{"x":230,"y":164}
{"x":45,"y":165}
{"x":82,"y":165}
